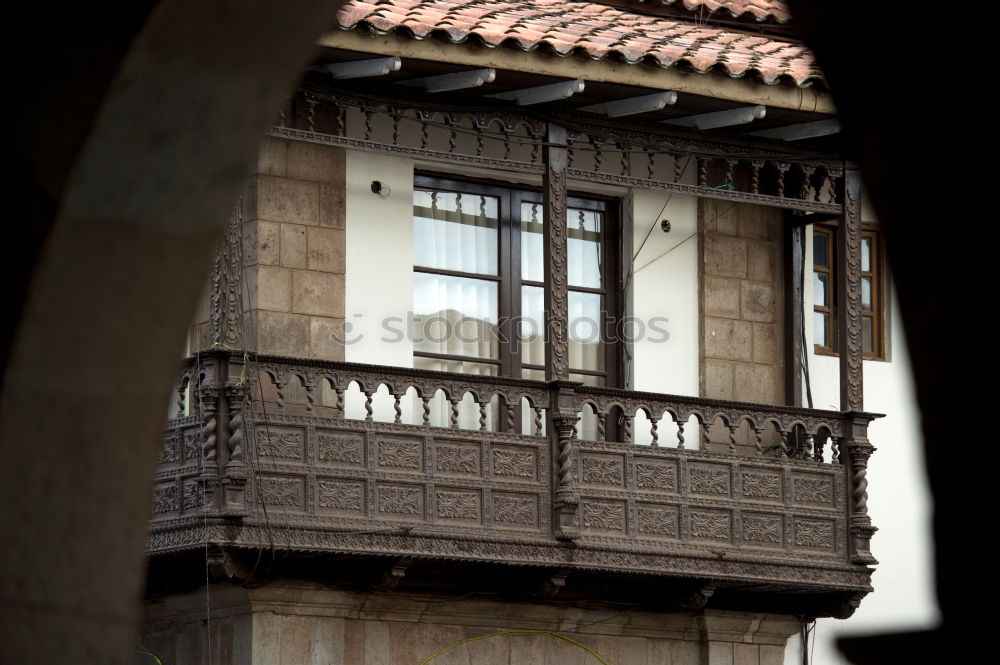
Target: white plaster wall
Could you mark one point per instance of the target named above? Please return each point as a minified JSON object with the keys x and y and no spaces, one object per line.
{"x":899,"y":500}
{"x":379,"y":280}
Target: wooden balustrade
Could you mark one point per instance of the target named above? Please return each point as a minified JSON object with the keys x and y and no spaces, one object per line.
{"x":341,"y":457}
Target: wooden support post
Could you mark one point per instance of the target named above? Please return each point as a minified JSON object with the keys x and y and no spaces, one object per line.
{"x":554,"y":222}
{"x":795,"y":244}
{"x":849,"y":295}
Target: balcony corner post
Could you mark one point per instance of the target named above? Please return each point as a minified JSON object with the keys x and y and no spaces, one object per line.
{"x":859,"y":449}
{"x":566,"y":499}
{"x":234,"y":482}
{"x":209,"y":401}
{"x":555,"y":255}
{"x":848,"y":255}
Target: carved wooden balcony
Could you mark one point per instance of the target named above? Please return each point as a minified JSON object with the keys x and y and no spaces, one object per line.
{"x":487,"y":477}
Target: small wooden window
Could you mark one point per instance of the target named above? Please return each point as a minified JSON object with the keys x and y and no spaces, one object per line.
{"x":825,"y":303}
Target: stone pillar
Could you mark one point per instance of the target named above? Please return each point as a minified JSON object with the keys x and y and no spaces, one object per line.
{"x":294,"y":249}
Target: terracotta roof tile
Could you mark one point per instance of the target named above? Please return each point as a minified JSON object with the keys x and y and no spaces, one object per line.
{"x":599,"y":31}
{"x":759,"y":9}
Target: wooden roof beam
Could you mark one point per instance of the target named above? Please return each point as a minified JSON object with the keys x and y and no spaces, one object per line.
{"x":716,"y":119}
{"x":455,"y":81}
{"x":802,"y":130}
{"x":360,"y":68}
{"x":633,"y":105}
{"x":550,"y":92}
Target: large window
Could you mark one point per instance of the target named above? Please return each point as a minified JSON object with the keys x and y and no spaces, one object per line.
{"x":479,"y":283}
{"x":825,"y":289}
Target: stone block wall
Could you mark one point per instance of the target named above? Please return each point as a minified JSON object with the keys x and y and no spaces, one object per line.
{"x":741,"y":302}
{"x":293,"y":212}
{"x":296,"y":623}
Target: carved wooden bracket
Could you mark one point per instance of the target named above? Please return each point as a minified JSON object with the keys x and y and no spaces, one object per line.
{"x":390,"y":577}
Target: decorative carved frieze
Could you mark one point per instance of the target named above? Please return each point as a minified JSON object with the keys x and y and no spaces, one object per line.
{"x":602,"y":470}
{"x":399,"y":454}
{"x":508,"y":508}
{"x":657,"y":521}
{"x":762,"y":529}
{"x":280,"y":491}
{"x":761,"y":484}
{"x":192,"y":445}
{"x":165,"y":499}
{"x":710,"y":524}
{"x":194,"y":494}
{"x":170,"y":452}
{"x":400,"y":500}
{"x":814,"y":533}
{"x":279,"y":443}
{"x":518,"y":463}
{"x":655,"y":476}
{"x":343,"y":448}
{"x":604,"y":515}
{"x":813,"y":490}
{"x":709,"y":481}
{"x":340,"y":495}
{"x":458,"y":459}
{"x":458,"y":505}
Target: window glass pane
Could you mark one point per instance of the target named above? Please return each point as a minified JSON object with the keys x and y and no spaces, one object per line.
{"x":866,"y":334}
{"x":821,"y":256}
{"x":454,"y":315}
{"x":455,"y":231}
{"x":584,"y":247}
{"x":587,"y":379}
{"x":532,"y":253}
{"x":533,"y":374}
{"x":866,"y":294}
{"x":820,"y":289}
{"x":866,"y":254}
{"x":532,"y":326}
{"x":482,"y":369}
{"x":585,"y":348}
{"x":820,"y":329}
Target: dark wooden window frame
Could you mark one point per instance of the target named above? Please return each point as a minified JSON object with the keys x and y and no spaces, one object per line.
{"x":510,"y":281}
{"x":876,"y":274}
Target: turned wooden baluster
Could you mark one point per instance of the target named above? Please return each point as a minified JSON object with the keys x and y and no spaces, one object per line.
{"x":369,"y":410}
{"x":627,"y":429}
{"x":678,"y":167}
{"x":807,"y":446}
{"x":598,"y":155}
{"x":625,"y":166}
{"x":807,"y":173}
{"x":182,"y":396}
{"x":783,"y":445}
{"x":602,"y":434}
{"x":650,"y":164}
{"x":397,"y":406}
{"x":653,"y":433}
{"x":703,"y":171}
{"x":782,"y":170}
{"x":482,"y":415}
{"x":427,"y":409}
{"x":339,"y":409}
{"x":835,"y":444}
{"x":310,"y":387}
{"x":538,"y":421}
{"x":454,"y":411}
{"x":680,"y":434}
{"x":730,"y":169}
{"x":732,"y":439}
{"x":758,"y":440}
{"x":279,"y":394}
{"x":511,"y":408}
{"x":755,"y":167}
{"x":369,"y":129}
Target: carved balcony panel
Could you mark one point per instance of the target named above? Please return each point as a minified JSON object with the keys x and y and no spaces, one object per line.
{"x":360,"y":461}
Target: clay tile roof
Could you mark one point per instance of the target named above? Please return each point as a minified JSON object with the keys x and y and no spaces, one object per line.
{"x":595,"y":30}
{"x":759,"y":9}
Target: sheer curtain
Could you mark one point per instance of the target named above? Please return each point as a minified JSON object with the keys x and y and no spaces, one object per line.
{"x":455,"y":310}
